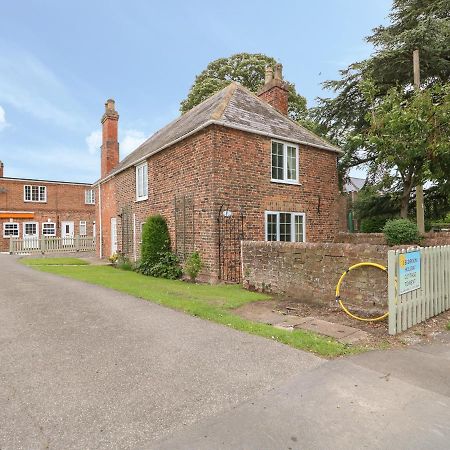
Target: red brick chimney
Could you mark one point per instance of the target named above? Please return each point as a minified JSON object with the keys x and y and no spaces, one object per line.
{"x":110,"y":143}
{"x":275,"y":91}
{"x":1,"y":169}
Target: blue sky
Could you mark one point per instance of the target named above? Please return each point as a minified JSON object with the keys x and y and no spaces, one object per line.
{"x":60,"y":61}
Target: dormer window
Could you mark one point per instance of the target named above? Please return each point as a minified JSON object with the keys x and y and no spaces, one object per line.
{"x":284,"y":162}
{"x":142,"y":182}
{"x":35,"y":193}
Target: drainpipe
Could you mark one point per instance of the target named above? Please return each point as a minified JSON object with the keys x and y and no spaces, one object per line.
{"x":100,"y":238}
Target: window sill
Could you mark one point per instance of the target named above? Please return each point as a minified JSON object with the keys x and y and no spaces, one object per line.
{"x":295,"y":183}
{"x":35,"y":201}
{"x":141,"y":199}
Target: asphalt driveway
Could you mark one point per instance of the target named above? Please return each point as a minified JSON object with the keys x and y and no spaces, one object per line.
{"x":86,"y":367}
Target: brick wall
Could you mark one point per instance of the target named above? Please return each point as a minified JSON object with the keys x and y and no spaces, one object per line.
{"x":430,"y":239}
{"x":65,"y":202}
{"x":222,"y":167}
{"x":310,"y":271}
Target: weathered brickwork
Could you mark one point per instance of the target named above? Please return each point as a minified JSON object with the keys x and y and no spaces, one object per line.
{"x":65,"y":202}
{"x":223,"y":167}
{"x":310,"y":271}
{"x":430,"y":239}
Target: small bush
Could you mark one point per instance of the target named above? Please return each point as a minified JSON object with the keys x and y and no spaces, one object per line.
{"x":193,"y":265}
{"x":401,"y":231}
{"x":123,"y":263}
{"x":155,"y":240}
{"x":168,"y":266}
{"x":372,"y":224}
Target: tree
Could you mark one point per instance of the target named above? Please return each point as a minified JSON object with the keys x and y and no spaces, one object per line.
{"x":247,"y":69}
{"x":407,"y":138}
{"x":415,"y":24}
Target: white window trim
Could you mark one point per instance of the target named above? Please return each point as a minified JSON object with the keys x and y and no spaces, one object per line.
{"x":143,"y":197}
{"x":84,"y":222}
{"x":89,"y":197}
{"x":293,"y":215}
{"x":37,"y":227}
{"x":7,"y":236}
{"x":285,"y":180}
{"x":46,"y":223}
{"x":39,"y":194}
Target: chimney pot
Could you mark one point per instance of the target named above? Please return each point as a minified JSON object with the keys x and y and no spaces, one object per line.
{"x":278,"y":72}
{"x":1,"y":169}
{"x":110,"y":105}
{"x":269,"y":74}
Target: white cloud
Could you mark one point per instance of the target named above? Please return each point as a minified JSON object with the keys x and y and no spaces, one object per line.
{"x":94,"y":141}
{"x":28,"y":85}
{"x":3,"y":123}
{"x":131,"y":141}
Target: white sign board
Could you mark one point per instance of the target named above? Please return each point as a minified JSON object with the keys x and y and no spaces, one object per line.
{"x":409,"y":272}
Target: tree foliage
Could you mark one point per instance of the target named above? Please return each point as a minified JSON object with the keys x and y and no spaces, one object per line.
{"x":247,"y":69}
{"x":155,"y":240}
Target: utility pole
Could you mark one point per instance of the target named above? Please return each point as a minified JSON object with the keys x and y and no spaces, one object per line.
{"x":420,"y":216}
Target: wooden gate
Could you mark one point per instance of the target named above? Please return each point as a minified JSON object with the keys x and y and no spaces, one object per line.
{"x":231,"y":233}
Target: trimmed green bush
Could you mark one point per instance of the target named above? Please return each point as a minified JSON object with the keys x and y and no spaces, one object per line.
{"x":401,"y":231}
{"x":155,"y":240}
{"x":193,"y":265}
{"x":373,"y":224}
{"x":168,"y":266}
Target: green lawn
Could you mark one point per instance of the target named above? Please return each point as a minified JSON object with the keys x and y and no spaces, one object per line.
{"x":210,"y":302}
{"x":54,"y":262}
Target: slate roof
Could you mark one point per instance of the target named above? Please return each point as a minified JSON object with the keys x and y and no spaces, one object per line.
{"x":234,"y":107}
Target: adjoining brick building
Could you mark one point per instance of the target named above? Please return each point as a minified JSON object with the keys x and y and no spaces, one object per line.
{"x":234,"y":167}
{"x":32,"y":208}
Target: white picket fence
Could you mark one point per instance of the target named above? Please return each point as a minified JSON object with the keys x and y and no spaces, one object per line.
{"x":47,"y":244}
{"x":433,"y":295}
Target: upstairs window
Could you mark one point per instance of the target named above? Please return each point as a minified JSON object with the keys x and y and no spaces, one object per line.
{"x":89,"y":197}
{"x":35,"y":193}
{"x":285,"y":226}
{"x":142,"y":182}
{"x":49,"y":229}
{"x":284,"y":162}
{"x":10,"y":229}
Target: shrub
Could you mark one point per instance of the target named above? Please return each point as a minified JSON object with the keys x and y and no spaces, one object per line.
{"x":123,"y":263}
{"x":155,"y":240}
{"x":373,"y":224}
{"x":193,"y":265}
{"x":168,"y":266}
{"x":401,"y":231}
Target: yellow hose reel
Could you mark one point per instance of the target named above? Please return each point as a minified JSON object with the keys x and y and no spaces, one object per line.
{"x":338,"y":286}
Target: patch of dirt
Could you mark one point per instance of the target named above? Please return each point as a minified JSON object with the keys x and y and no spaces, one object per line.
{"x":272,"y":311}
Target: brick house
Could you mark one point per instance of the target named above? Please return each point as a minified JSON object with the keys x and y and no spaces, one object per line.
{"x":233,"y":167}
{"x":33,"y":208}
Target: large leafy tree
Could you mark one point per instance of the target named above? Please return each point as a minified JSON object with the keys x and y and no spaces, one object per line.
{"x":415,"y":24}
{"x":247,"y":69}
{"x":407,"y":139}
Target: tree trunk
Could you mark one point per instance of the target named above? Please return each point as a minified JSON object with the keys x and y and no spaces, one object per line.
{"x":407,"y":188}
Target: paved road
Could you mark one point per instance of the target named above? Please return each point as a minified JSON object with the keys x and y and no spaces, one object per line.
{"x":85,"y":367}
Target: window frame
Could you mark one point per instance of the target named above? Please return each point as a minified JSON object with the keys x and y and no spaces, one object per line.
{"x":285,"y":179}
{"x":43,"y":226}
{"x":89,"y":197}
{"x":84,"y":224}
{"x":39,"y":187}
{"x":145,"y":180}
{"x":293,"y":216}
{"x":8,"y":236}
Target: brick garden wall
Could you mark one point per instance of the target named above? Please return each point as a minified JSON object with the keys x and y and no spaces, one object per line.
{"x":430,"y":239}
{"x":310,"y":271}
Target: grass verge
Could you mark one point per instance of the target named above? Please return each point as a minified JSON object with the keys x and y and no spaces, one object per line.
{"x":210,"y":302}
{"x":54,"y":262}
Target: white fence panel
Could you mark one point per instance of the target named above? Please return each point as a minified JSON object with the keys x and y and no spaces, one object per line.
{"x":430,"y":299}
{"x":48,"y":244}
